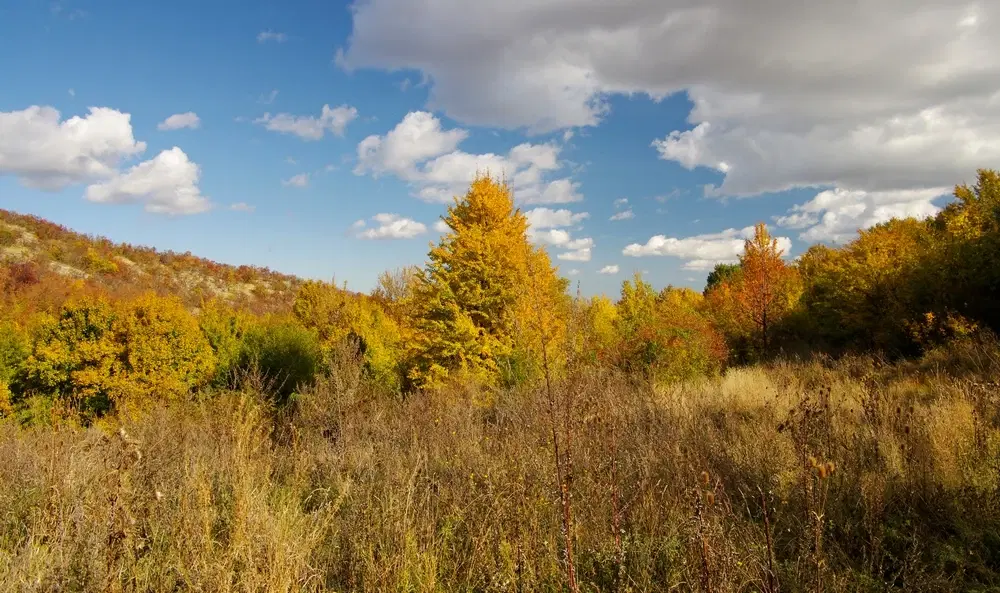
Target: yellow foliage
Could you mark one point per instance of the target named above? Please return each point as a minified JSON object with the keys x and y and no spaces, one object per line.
{"x":97,"y":355}
{"x":339,"y":316}
{"x":488,"y":300}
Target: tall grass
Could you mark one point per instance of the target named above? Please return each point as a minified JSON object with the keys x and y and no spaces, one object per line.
{"x":852,"y":476}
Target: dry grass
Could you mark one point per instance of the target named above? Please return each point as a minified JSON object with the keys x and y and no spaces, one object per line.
{"x":871,"y":479}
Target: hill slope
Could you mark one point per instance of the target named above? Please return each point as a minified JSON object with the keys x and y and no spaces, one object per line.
{"x":41,"y":248}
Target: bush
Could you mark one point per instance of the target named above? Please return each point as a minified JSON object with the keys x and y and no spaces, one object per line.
{"x":286,"y":354}
{"x":340,"y":318}
{"x":14,"y":348}
{"x":226,"y":330}
{"x":95,"y":356}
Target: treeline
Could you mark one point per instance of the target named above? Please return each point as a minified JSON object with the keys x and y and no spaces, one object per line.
{"x":897,"y":289}
{"x":490,"y":308}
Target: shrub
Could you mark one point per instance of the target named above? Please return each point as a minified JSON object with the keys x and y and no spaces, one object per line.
{"x":226,"y":330}
{"x":95,"y":356}
{"x":339,"y":317}
{"x":286,"y":354}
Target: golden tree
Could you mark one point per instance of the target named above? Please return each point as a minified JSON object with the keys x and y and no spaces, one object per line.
{"x":487,"y":299}
{"x":766,"y":291}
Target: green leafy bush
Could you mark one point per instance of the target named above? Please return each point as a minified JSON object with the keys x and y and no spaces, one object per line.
{"x":284,"y":353}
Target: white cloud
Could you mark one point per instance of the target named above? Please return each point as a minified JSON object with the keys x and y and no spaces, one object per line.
{"x":546,"y":218}
{"x":877,"y":96}
{"x":46,"y":153}
{"x":612,"y":269}
{"x":308,"y":127}
{"x":72,"y":93}
{"x":702,"y":252}
{"x":441,"y":226}
{"x":836,"y":215}
{"x":420,"y":151}
{"x":269,"y":35}
{"x":573,"y":272}
{"x":242,"y":207}
{"x":390,"y":226}
{"x":621,"y":202}
{"x":579,"y":249}
{"x":300,"y":180}
{"x":623,"y":215}
{"x":179,"y":121}
{"x":166,"y":184}
{"x":415,"y":139}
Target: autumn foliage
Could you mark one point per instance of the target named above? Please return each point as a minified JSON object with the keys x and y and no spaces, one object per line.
{"x":84,"y":327}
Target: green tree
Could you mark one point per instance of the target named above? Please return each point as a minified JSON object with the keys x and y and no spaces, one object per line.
{"x":721,"y":273}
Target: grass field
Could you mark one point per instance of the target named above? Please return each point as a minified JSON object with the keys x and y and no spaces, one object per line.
{"x":847,"y":476}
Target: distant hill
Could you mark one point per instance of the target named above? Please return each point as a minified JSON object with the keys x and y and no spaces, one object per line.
{"x":45,"y":248}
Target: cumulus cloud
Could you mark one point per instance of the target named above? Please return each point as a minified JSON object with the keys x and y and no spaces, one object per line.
{"x":612,"y":269}
{"x":544,"y":228}
{"x":309,"y":127}
{"x":441,"y":227}
{"x":46,"y":153}
{"x":389,"y":226}
{"x":269,"y":35}
{"x":701,"y":252}
{"x":620,"y":202}
{"x":415,"y":139}
{"x":836,"y":215}
{"x":242,"y":207}
{"x":877,"y":96}
{"x":623,"y":215}
{"x":166,"y":184}
{"x":546,"y":218}
{"x":578,"y":249}
{"x":420,"y":151}
{"x":300,"y":180}
{"x":179,"y":121}
{"x":573,"y":272}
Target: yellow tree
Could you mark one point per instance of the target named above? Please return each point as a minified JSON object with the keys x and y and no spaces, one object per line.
{"x":486,"y":294}
{"x":766,"y":290}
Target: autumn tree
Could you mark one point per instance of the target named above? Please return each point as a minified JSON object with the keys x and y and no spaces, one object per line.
{"x":766,"y":289}
{"x":721,"y":273}
{"x":487,"y":299}
{"x":665,"y":336}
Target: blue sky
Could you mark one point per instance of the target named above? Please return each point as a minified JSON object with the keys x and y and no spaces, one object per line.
{"x":704,"y":118}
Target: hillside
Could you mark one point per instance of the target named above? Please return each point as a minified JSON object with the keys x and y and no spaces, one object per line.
{"x":46,"y":248}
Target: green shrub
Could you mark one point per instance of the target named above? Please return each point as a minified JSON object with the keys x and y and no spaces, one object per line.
{"x":14,"y":348}
{"x":284,"y":353}
{"x":226,"y":330}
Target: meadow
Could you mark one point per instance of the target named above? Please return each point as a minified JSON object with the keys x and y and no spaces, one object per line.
{"x":844,"y":476}
{"x":819,"y":425}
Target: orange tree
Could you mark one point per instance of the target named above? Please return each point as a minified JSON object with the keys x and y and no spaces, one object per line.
{"x":767,"y":289}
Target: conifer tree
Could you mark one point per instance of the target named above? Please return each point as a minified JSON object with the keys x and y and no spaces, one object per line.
{"x":479,"y":302}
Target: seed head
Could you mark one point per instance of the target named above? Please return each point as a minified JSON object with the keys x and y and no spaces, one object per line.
{"x":709,"y":498}
{"x":704,"y":478}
